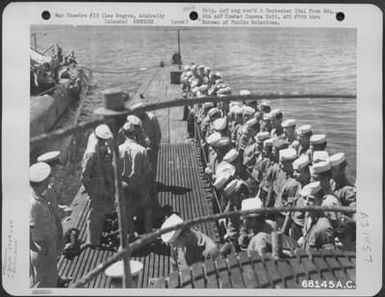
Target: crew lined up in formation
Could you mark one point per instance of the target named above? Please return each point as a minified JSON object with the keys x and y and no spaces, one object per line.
{"x":257,"y":158}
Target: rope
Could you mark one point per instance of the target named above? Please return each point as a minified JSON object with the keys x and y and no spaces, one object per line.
{"x":154,"y":235}
{"x":48,"y":91}
{"x":39,"y":139}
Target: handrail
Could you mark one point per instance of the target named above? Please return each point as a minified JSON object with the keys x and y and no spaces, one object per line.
{"x":154,"y":235}
{"x":39,"y":139}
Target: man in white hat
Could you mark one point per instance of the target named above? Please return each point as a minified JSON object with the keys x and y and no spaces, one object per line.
{"x":232,"y":157}
{"x":137,"y":178}
{"x":97,"y":180}
{"x":233,"y":193}
{"x":220,"y":126}
{"x":321,"y":171}
{"x":276,"y":123}
{"x":206,"y":125}
{"x":318,"y":233}
{"x":255,"y":230}
{"x":43,"y":230}
{"x":238,"y":122}
{"x":188,"y":246}
{"x":247,"y":145}
{"x":151,"y":128}
{"x":301,"y":169}
{"x":141,"y":136}
{"x":344,"y":190}
{"x":317,"y":143}
{"x":289,"y":131}
{"x":304,"y":134}
{"x":262,"y":164}
{"x":289,"y":190}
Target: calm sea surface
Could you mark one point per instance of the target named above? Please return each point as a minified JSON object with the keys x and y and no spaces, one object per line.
{"x":258,"y":59}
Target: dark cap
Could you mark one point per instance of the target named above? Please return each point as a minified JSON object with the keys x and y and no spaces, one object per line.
{"x":280,"y":144}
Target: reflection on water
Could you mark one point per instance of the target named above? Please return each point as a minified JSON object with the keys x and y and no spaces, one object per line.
{"x":283,"y":60}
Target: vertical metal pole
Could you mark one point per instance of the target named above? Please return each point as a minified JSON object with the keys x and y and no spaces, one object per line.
{"x":119,"y":198}
{"x":276,"y":242}
{"x":34,"y":41}
{"x":180,"y":57}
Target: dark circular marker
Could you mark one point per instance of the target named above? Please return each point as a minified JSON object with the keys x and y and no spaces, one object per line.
{"x":193,"y":15}
{"x":340,"y":16}
{"x":46,"y":15}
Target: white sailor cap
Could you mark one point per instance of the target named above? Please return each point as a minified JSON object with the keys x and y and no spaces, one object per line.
{"x":137,"y":105}
{"x":39,"y":172}
{"x":311,"y":189}
{"x":218,"y":74}
{"x":268,"y":142}
{"x":244,"y":92}
{"x":288,"y":154}
{"x":320,"y":156}
{"x":207,"y":68}
{"x":200,"y":94}
{"x":203,"y":88}
{"x":304,"y":129}
{"x":221,"y":179}
{"x":261,"y":136}
{"x":264,"y":103}
{"x":251,"y":203}
{"x":195,"y":89}
{"x":318,"y":139}
{"x":134,"y":119}
{"x":193,"y":67}
{"x":251,"y":123}
{"x":116,"y":269}
{"x":225,"y":167}
{"x":201,"y":67}
{"x":222,"y":142}
{"x":248,"y":110}
{"x":186,"y":67}
{"x":213,"y":111}
{"x":288,"y":123}
{"x":129,"y":127}
{"x":208,"y":104}
{"x":238,"y":110}
{"x":219,"y":124}
{"x":231,"y":187}
{"x":213,"y":138}
{"x":301,"y":162}
{"x":172,"y":220}
{"x":335,"y":159}
{"x":218,"y":81}
{"x":320,"y":167}
{"x":49,"y":157}
{"x":231,"y":155}
{"x":266,"y":117}
{"x":189,"y":74}
{"x":103,"y":132}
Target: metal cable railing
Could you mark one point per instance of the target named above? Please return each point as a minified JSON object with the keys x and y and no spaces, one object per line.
{"x":154,"y":235}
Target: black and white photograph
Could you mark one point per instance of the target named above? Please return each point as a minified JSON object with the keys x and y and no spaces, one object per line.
{"x":195,"y":157}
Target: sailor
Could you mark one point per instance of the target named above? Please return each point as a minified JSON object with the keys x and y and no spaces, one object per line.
{"x":232,"y":157}
{"x":220,"y":126}
{"x":151,"y":128}
{"x":137,"y":177}
{"x":343,"y":189}
{"x":238,"y":122}
{"x":97,"y":180}
{"x":255,"y":230}
{"x":321,"y":171}
{"x":304,"y":133}
{"x":247,"y":145}
{"x":273,"y":182}
{"x":317,"y":143}
{"x":220,"y":148}
{"x":234,"y":192}
{"x":212,"y":161}
{"x":276,"y":123}
{"x":318,"y":233}
{"x":188,"y":246}
{"x":206,"y":126}
{"x":301,"y":169}
{"x":260,"y":168}
{"x":43,"y":229}
{"x":289,"y":133}
{"x":266,"y":123}
{"x":264,"y":107}
{"x":140,"y":135}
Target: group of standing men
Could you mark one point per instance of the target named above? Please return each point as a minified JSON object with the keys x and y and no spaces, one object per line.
{"x":253,"y":151}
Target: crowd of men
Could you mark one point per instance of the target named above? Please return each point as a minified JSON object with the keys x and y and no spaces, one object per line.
{"x":258,"y":158}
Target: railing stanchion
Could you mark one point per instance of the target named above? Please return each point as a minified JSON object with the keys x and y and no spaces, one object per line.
{"x":121,"y":209}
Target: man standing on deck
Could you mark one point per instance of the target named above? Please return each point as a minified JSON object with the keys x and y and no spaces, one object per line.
{"x":304,"y":134}
{"x":276,"y":123}
{"x":43,"y":229}
{"x":151,"y":128}
{"x":97,"y":180}
{"x":136,"y":179}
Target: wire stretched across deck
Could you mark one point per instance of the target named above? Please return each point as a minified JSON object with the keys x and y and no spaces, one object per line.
{"x":152,"y":236}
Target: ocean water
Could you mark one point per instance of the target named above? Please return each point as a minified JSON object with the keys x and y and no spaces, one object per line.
{"x":279,"y":60}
